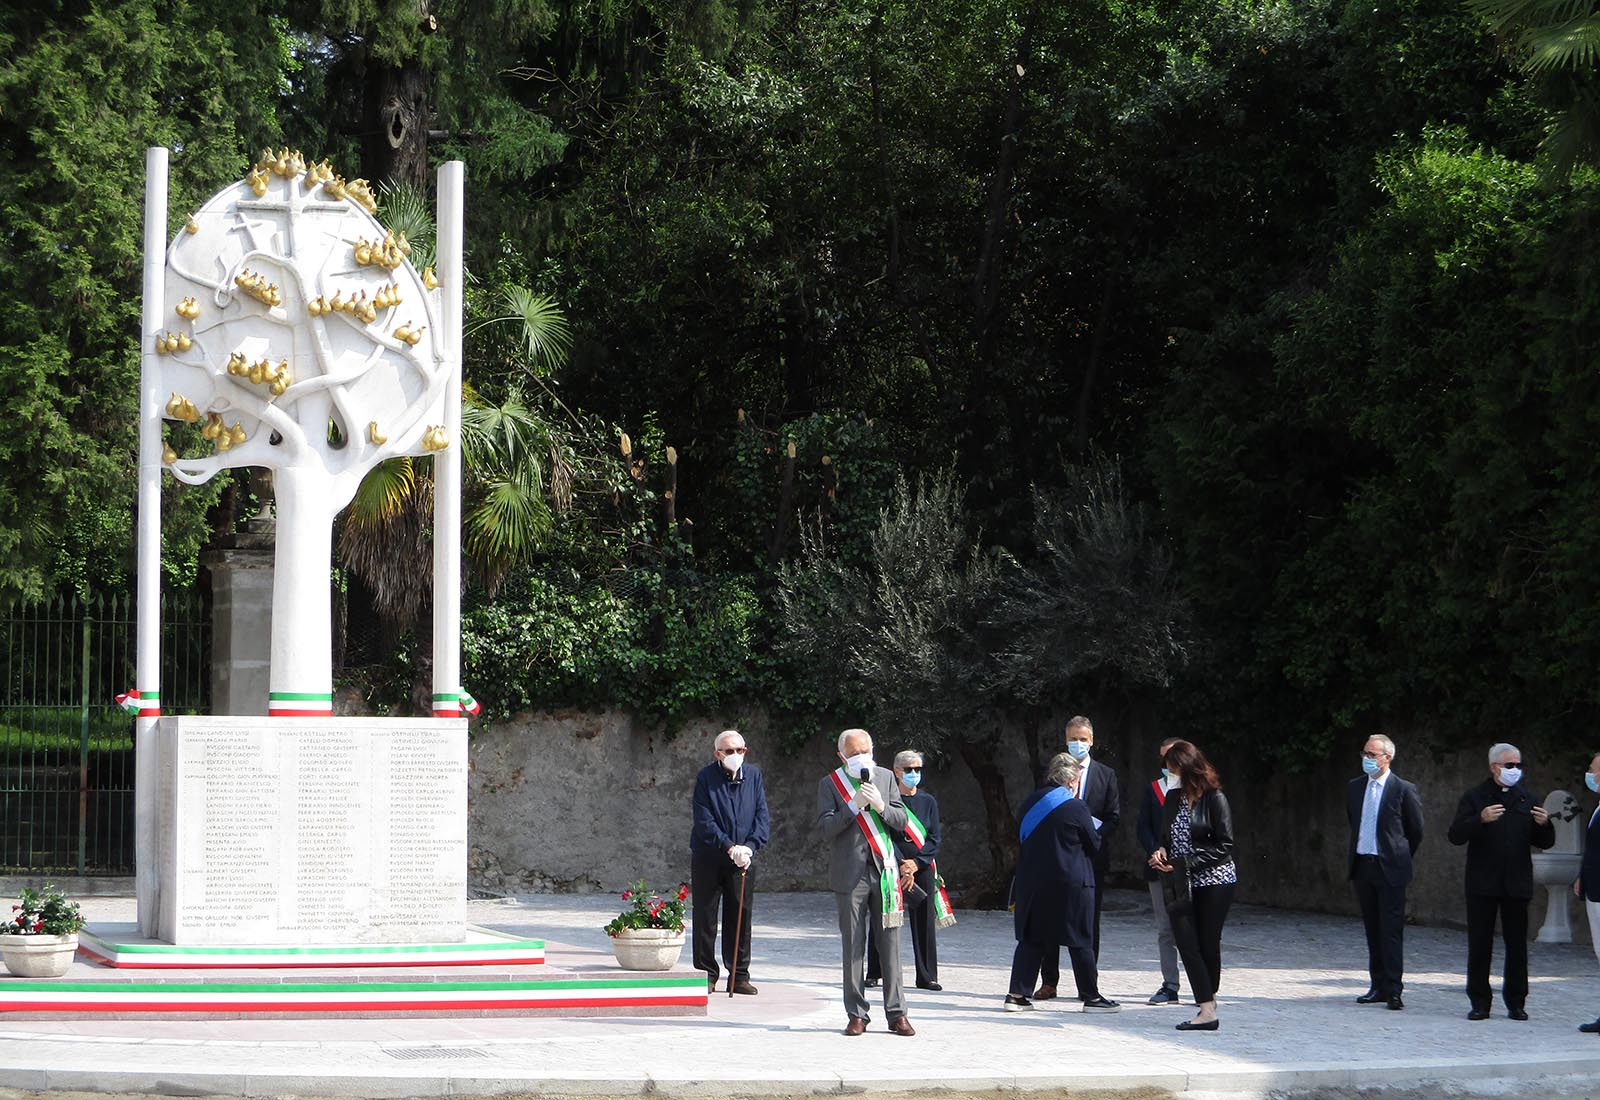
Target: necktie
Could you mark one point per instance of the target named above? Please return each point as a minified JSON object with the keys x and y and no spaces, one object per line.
{"x":1368,"y":841}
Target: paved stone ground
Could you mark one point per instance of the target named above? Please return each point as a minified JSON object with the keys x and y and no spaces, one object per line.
{"x":1290,"y":1026}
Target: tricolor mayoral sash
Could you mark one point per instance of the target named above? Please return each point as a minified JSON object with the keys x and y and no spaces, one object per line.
{"x":877,"y":834}
{"x":917,"y":834}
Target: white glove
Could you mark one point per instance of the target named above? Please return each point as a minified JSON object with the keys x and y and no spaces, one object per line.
{"x":741,"y":856}
{"x":868,"y":793}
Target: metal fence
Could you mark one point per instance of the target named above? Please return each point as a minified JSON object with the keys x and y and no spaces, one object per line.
{"x":66,"y":748}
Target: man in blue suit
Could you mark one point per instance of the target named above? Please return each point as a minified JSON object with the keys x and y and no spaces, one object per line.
{"x":1385,"y":832}
{"x":1101,"y":794}
{"x":1588,"y":885}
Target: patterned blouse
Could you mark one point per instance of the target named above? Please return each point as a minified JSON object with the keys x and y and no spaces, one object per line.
{"x":1219,"y":875}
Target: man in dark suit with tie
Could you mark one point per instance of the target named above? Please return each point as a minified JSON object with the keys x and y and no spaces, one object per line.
{"x":1385,"y":815}
{"x":1588,"y":885}
{"x":1499,"y":821}
{"x":1100,"y":793}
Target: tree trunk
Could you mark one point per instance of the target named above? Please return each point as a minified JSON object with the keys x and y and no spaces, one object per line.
{"x":1004,"y":847}
{"x":395,"y":125}
{"x":301,"y":677}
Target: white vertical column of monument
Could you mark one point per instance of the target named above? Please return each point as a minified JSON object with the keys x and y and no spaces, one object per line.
{"x":147,"y":652}
{"x":447,"y":463}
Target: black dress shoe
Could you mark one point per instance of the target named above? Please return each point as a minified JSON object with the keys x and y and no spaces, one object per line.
{"x":872,"y":983}
{"x":1590,"y":1029}
{"x":1192,"y":1025}
{"x":744,"y":988}
{"x":933,"y":987}
{"x":1478,"y":1014}
{"x":1372,"y":997}
{"x":1395,"y":1003}
{"x":1517,"y":1013}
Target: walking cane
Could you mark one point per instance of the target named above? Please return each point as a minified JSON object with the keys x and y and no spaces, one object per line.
{"x":738,"y":930}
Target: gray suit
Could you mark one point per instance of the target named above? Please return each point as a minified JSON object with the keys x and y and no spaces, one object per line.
{"x":853,"y":876}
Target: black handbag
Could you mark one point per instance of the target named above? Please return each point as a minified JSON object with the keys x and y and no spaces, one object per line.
{"x":1176,"y":889}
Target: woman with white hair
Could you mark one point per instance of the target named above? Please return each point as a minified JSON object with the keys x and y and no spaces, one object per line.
{"x":1054,"y":889}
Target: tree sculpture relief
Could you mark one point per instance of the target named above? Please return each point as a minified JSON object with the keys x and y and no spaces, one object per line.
{"x":304,"y":341}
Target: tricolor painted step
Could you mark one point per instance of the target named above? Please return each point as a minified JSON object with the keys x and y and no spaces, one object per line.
{"x":279,"y":994}
{"x":123,"y":947}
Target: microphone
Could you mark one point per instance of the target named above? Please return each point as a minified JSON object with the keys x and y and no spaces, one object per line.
{"x":866,"y":775}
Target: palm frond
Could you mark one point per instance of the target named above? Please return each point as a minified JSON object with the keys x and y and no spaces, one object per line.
{"x":546,"y":335}
{"x":1573,"y":46}
{"x":404,"y":209}
{"x":383,"y":492}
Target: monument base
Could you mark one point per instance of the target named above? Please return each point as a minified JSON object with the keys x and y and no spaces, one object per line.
{"x":122,"y":946}
{"x":572,"y":983}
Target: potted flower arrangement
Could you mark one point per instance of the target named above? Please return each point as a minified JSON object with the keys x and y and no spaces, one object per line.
{"x":648,"y":934}
{"x":41,"y":937}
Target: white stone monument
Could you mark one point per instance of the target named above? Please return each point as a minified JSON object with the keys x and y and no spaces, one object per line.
{"x":291,"y":325}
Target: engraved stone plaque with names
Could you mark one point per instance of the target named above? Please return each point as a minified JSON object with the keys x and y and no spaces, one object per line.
{"x":313,"y":830}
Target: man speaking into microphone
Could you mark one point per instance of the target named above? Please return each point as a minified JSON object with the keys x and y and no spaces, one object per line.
{"x":860,"y":811}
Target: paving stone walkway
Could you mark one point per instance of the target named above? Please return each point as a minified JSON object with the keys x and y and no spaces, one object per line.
{"x":1290,"y":1025}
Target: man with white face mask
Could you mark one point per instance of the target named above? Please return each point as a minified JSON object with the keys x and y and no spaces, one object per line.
{"x":1499,"y":820}
{"x":860,"y":811}
{"x":1385,"y":814}
{"x":1100,"y":792}
{"x":1587,"y":884}
{"x":730,"y":826}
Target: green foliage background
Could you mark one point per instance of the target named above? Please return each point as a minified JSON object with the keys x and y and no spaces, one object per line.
{"x":1295,"y":263}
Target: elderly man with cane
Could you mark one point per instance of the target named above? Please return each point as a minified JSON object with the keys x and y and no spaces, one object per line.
{"x":730,"y":826}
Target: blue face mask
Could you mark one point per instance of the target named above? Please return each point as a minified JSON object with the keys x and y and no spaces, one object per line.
{"x":1167,"y":776}
{"x":1369,"y":765}
{"x":1591,"y":782}
{"x":1078,"y":749}
{"x":911,"y":778}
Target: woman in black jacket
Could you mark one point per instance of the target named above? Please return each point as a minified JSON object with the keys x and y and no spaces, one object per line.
{"x":1196,"y":864}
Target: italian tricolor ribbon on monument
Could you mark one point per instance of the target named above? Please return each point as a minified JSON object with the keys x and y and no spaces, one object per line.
{"x":917,"y":834}
{"x":877,"y":834}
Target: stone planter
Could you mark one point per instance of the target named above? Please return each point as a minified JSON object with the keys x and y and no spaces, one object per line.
{"x":38,"y":956}
{"x":647,"y":948}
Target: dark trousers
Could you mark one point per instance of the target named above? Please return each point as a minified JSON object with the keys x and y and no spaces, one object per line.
{"x":1028,"y":957}
{"x":1383,"y":912}
{"x":713,"y":882}
{"x":1199,"y":936}
{"x":1513,"y":914}
{"x":920,"y":919}
{"x":1051,"y":968}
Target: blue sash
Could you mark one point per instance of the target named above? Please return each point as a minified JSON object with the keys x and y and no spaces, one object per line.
{"x":1041,"y":810}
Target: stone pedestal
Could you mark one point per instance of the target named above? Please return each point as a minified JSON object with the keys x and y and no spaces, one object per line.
{"x":308,"y":830}
{"x":241,"y":618}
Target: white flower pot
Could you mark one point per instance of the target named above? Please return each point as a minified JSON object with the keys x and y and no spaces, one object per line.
{"x":647,"y":948}
{"x":38,"y":956}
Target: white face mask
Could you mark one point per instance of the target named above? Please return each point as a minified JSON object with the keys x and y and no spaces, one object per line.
{"x":854,"y":764}
{"x":1510,"y":777}
{"x":733,"y":761}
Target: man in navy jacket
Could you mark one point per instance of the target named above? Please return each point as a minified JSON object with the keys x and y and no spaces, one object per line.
{"x":1588,"y":885}
{"x":1385,"y":815}
{"x":730,"y":827}
{"x":1151,"y":828}
{"x":1104,"y":799}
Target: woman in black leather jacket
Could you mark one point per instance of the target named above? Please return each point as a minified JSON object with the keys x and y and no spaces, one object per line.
{"x":1196,"y":864}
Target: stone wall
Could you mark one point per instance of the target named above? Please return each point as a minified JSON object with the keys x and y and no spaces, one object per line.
{"x":579,"y":801}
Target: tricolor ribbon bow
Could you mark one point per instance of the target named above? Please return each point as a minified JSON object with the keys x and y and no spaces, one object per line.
{"x":129,"y":701}
{"x":469,"y":704}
